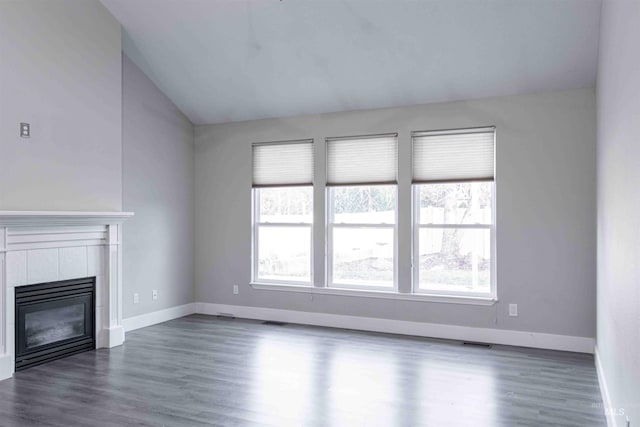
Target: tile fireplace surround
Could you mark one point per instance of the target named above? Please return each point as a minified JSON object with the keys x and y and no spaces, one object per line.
{"x":37,"y":247}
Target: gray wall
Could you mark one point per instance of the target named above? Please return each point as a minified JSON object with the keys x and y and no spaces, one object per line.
{"x":98,"y":142}
{"x":618,"y":340}
{"x":158,"y":175}
{"x":546,"y":210}
{"x":60,"y":71}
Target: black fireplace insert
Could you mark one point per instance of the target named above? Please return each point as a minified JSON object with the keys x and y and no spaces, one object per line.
{"x":54,"y":320}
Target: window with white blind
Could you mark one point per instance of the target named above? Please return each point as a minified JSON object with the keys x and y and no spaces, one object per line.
{"x":361,"y":211}
{"x":453,"y":202}
{"x":282,"y":212}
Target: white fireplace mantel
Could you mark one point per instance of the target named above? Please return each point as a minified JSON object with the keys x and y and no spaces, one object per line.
{"x":35,"y":218}
{"x":47,"y":246}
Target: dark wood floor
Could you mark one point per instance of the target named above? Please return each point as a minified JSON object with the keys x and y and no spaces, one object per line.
{"x":201,"y":370}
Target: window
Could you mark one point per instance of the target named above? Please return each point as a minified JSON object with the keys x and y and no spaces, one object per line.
{"x":452,"y":206}
{"x":361,"y":217}
{"x":283,"y":212}
{"x":453,"y":199}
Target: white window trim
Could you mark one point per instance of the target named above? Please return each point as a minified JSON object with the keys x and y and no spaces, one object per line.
{"x":377,"y":294}
{"x":330,"y":225}
{"x":255,"y":226}
{"x":416,"y":226}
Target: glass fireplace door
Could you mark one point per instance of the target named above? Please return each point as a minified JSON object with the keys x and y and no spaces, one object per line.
{"x":54,"y":320}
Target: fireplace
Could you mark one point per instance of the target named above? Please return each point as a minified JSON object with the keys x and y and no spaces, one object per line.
{"x":48,"y":247}
{"x":54,"y":320}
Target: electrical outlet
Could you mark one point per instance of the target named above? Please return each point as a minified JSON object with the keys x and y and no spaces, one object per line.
{"x":154,"y":294}
{"x":236,"y":289}
{"x":513,"y":310}
{"x":136,"y":298}
{"x":25,"y":130}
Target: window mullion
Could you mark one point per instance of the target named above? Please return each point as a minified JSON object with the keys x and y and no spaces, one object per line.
{"x":362,"y":225}
{"x":319,"y":237}
{"x":284,"y":224}
{"x":460,"y":226}
{"x":255,"y":243}
{"x":404,"y":227}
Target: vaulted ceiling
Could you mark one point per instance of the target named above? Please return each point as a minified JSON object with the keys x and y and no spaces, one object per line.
{"x":231,"y":60}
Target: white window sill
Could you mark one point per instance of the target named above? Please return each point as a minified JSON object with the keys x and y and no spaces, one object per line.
{"x":445,"y":299}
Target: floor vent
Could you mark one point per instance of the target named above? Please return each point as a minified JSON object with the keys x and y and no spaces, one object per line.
{"x":273,"y":323}
{"x":477,"y":344}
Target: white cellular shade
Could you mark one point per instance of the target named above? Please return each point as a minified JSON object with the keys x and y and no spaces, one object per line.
{"x":282,"y":164}
{"x":457,"y":155}
{"x":362,"y":160}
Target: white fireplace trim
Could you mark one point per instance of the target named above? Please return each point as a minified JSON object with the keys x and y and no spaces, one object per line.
{"x":37,"y":247}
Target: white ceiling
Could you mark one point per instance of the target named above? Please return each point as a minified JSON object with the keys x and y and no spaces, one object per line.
{"x":231,"y":60}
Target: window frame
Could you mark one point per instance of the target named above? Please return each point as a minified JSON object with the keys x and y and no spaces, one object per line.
{"x":255,"y":239}
{"x":415,"y":252}
{"x":324,"y":267}
{"x":331,"y":225}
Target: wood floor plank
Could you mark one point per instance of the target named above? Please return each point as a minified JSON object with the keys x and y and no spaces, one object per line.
{"x":206,"y":371}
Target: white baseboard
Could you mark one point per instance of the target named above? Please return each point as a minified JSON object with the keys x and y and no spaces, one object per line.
{"x":604,"y":390}
{"x":433,"y":330}
{"x":6,"y":367}
{"x":144,"y":320}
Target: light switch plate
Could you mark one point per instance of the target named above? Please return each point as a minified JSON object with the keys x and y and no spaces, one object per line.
{"x":513,"y":310}
{"x":154,"y":294}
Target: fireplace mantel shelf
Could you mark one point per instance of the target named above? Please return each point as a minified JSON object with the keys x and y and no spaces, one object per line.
{"x":35,"y":218}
